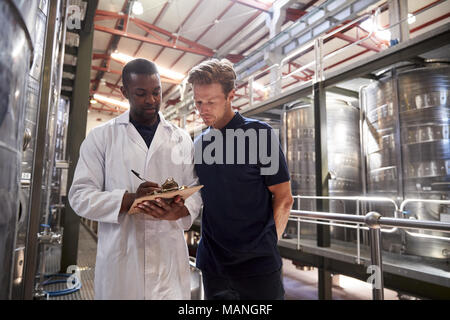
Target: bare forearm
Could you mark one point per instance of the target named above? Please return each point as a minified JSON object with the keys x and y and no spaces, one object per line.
{"x":281,"y":212}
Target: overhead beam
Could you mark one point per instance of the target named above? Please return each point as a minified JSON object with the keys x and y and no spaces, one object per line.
{"x":178,"y":29}
{"x":198,"y":48}
{"x":294,"y":14}
{"x":112,"y":44}
{"x":353,"y":40}
{"x":204,"y":32}
{"x":167,"y":44}
{"x":163,"y":79}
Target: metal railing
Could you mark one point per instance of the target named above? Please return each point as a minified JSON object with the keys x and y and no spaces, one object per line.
{"x":374,"y":221}
{"x":359,"y":201}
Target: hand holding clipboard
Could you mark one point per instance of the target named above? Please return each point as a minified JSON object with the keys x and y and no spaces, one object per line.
{"x":169,"y":190}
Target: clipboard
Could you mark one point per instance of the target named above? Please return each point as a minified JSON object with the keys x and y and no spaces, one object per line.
{"x":184,"y":193}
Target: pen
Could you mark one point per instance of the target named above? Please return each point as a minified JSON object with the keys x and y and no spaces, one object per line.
{"x":137,"y":175}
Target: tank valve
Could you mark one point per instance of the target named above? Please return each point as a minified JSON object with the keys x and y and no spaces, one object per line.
{"x":49,"y":238}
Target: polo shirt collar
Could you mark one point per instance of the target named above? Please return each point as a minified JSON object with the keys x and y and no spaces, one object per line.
{"x":234,"y":122}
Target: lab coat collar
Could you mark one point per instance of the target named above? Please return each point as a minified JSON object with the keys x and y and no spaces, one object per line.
{"x":124,"y":118}
{"x":162,"y":134}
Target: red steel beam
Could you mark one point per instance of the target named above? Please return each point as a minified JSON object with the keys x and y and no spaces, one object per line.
{"x":181,"y":25}
{"x":204,"y":32}
{"x":353,"y":40}
{"x":109,"y":94}
{"x":202,"y":49}
{"x":148,"y":31}
{"x":163,"y":10}
{"x":108,"y":47}
{"x":106,"y":70}
{"x":163,"y":79}
{"x":428,"y":23}
{"x":294,"y":14}
{"x":199,"y":51}
{"x":199,"y":37}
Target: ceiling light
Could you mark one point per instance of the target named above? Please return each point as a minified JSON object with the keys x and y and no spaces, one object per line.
{"x":93,"y":101}
{"x":137,"y":8}
{"x":259,"y":86}
{"x":369,"y":26}
{"x":411,"y":18}
{"x":163,"y":71}
{"x":115,"y":102}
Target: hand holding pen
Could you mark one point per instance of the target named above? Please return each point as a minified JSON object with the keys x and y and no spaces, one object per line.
{"x":145,"y":188}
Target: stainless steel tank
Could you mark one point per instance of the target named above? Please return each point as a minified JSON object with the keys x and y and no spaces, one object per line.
{"x":31,"y":114}
{"x":15,"y":56}
{"x":344,"y":159}
{"x":38,"y":32}
{"x":408,"y":149}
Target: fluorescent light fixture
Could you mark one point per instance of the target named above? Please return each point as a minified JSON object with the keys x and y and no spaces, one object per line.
{"x":259,"y":86}
{"x":93,"y":101}
{"x":369,"y":26}
{"x":115,"y":102}
{"x":163,"y":71}
{"x":137,"y":8}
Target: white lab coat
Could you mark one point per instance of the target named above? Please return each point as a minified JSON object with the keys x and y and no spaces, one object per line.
{"x":138,"y":257}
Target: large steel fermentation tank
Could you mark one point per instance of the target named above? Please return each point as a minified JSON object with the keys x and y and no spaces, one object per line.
{"x":344,"y":160}
{"x":16,"y":51}
{"x":38,"y":33}
{"x":408,"y":150}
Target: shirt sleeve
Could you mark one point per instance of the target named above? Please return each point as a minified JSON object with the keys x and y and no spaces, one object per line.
{"x":86,"y":195}
{"x":271,"y":158}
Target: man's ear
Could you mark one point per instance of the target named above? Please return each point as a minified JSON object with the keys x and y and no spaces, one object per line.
{"x":124,"y":91}
{"x":231,"y":95}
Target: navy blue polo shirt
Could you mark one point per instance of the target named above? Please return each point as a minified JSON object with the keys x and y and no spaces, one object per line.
{"x":236,"y":165}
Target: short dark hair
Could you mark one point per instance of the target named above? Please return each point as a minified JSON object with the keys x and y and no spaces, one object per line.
{"x":138,"y":66}
{"x":214,"y":71}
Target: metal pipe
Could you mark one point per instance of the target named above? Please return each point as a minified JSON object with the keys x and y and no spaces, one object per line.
{"x":333,"y":224}
{"x":358,"y":244}
{"x":416,"y":224}
{"x":420,"y":235}
{"x":373,"y":220}
{"x":329,"y":216}
{"x":32,"y":242}
{"x":383,"y":221}
{"x":405,"y":202}
{"x":359,"y":198}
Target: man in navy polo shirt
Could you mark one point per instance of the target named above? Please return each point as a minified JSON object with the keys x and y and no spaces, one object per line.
{"x":247,"y":193}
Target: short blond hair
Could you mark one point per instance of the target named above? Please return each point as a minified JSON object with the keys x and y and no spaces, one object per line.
{"x":214,"y":71}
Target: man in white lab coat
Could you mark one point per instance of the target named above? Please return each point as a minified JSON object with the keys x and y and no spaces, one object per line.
{"x":141,"y":256}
